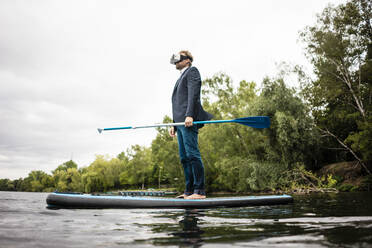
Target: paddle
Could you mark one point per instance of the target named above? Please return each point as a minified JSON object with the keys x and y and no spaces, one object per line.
{"x":253,"y":121}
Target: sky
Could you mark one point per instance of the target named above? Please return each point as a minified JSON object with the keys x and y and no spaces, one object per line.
{"x":69,"y":67}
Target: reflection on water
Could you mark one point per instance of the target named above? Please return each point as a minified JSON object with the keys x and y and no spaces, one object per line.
{"x":190,"y":233}
{"x":319,"y":220}
{"x":316,"y":221}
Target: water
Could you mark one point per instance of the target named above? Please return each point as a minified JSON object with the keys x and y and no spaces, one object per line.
{"x":318,"y":220}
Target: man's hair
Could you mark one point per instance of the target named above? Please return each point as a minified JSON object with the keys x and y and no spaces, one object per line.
{"x":188,"y":54}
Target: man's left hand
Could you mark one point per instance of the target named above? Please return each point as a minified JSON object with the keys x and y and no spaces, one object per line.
{"x":188,"y":121}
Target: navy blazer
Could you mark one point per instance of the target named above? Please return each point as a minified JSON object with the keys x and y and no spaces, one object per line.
{"x":186,"y":97}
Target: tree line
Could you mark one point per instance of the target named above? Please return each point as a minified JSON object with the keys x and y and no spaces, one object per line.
{"x":327,"y":120}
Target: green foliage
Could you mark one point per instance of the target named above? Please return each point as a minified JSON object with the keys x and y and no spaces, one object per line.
{"x":166,"y":166}
{"x":238,"y":158}
{"x":138,"y":169}
{"x":340,"y":48}
{"x":346,"y":187}
{"x":68,"y":180}
{"x":331,"y":181}
{"x":103,"y":174}
{"x":361,"y":140}
{"x":65,"y":166}
{"x":292,"y":137}
{"x":242,"y":175}
{"x":92,"y":182}
{"x":7,"y":185}
{"x":299,"y":177}
{"x":266,"y":176}
{"x":366,"y":183}
{"x":39,"y":181}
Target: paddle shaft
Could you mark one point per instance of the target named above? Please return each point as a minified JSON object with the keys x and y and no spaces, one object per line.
{"x":166,"y":125}
{"x":253,"y":121}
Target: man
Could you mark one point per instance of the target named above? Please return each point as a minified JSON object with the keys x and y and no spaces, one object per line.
{"x":186,"y":107}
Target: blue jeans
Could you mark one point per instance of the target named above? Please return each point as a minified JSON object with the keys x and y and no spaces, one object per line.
{"x":191,"y":160}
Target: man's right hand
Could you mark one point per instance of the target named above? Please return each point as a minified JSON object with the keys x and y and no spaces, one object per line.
{"x":172,"y":133}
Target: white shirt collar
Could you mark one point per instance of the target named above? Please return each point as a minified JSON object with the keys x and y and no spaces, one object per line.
{"x":184,"y":69}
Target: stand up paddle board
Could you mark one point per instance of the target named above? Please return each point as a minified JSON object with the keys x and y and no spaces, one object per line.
{"x":68,"y":200}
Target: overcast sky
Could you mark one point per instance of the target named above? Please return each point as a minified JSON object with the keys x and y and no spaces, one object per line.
{"x":68,"y":67}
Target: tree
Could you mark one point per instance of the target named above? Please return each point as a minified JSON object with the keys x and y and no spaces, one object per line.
{"x":104,"y":173}
{"x":238,"y":158}
{"x":65,"y":166}
{"x":92,"y":182}
{"x":164,"y":156}
{"x":340,"y":48}
{"x":39,"y":181}
{"x":226,"y":144}
{"x":7,"y":185}
{"x":292,"y":138}
{"x":68,"y":180}
{"x":139,"y":167}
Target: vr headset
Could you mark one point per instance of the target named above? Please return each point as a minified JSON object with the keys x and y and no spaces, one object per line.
{"x":178,"y":58}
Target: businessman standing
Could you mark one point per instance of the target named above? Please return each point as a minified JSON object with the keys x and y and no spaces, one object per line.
{"x":186,"y":107}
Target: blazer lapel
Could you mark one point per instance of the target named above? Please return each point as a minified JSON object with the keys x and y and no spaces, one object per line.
{"x":180,"y":79}
{"x":176,"y":85}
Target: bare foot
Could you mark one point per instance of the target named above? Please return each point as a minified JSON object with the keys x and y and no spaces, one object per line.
{"x":182,"y":196}
{"x":195,"y":196}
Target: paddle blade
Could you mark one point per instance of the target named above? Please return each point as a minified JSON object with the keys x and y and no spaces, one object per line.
{"x":254,"y":121}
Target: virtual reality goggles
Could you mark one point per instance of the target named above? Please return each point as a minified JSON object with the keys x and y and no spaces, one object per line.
{"x":178,"y":58}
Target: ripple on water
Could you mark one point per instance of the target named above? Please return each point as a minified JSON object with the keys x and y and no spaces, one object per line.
{"x":309,"y":222}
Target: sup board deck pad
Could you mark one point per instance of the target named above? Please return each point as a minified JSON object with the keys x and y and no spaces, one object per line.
{"x":146,"y":193}
{"x":67,"y":200}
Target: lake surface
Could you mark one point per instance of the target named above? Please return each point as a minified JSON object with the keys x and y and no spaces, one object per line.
{"x":316,"y":220}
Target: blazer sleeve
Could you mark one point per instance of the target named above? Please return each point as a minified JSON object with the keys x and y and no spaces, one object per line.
{"x":193,"y":90}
